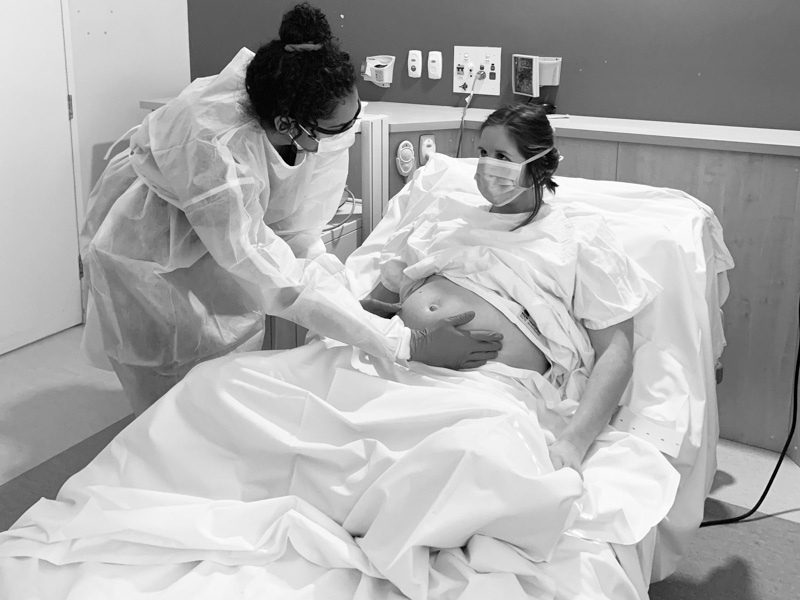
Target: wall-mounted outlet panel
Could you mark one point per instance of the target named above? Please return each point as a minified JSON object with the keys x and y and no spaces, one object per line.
{"x":427,"y":147}
{"x":468,"y":61}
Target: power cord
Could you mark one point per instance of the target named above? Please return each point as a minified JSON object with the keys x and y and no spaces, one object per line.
{"x":346,"y":196}
{"x":783,"y":452}
{"x":480,"y":75}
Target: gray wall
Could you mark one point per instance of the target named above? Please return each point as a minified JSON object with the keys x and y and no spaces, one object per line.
{"x":721,"y":62}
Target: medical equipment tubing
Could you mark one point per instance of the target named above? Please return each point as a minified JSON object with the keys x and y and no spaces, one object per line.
{"x":480,"y":75}
{"x":785,"y":446}
{"x":352,"y":199}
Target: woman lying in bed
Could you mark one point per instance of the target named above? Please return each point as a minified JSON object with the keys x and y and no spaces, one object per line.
{"x":518,"y":160}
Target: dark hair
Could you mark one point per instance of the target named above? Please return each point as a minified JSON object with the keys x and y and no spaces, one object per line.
{"x":527,"y":125}
{"x":303,"y":84}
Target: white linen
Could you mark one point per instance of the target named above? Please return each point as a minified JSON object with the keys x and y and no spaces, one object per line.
{"x":327,"y":468}
{"x":566,"y":268}
{"x":678,"y":241}
{"x":324,"y":471}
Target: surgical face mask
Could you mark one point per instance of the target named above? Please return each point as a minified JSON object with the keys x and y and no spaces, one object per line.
{"x":499,"y":181}
{"x":336,"y":143}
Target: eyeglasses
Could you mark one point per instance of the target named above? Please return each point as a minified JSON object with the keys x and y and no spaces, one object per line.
{"x":311,"y":132}
{"x":341,"y":128}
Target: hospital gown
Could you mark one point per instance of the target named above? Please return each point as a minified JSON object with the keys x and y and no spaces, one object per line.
{"x":554,"y":278}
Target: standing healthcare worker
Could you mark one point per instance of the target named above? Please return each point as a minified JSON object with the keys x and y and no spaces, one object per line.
{"x":212,"y":219}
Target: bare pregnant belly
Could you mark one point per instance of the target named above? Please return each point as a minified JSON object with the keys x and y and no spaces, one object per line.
{"x":439,"y":298}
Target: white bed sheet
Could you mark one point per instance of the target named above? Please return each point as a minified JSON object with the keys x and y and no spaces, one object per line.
{"x":322,"y":472}
{"x":323,"y":468}
{"x":678,"y":338}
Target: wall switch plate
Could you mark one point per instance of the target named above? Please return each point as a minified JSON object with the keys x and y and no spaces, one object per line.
{"x":414,"y":63}
{"x":434,"y":64}
{"x":468,"y":62}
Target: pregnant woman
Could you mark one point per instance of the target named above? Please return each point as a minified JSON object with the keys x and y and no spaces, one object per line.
{"x":456,"y":255}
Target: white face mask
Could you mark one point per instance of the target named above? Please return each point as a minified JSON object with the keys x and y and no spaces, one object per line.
{"x":499,"y":180}
{"x":337,"y":142}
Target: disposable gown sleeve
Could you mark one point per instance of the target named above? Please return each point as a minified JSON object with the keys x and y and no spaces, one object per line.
{"x":220,"y":198}
{"x":610,"y":287}
{"x":381,"y":259}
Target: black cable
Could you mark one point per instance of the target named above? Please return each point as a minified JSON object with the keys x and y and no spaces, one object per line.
{"x":783,"y":452}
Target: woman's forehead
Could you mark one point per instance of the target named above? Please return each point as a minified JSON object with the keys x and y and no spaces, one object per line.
{"x":496,"y":139}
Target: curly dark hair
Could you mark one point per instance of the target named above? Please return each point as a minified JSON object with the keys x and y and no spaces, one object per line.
{"x":529,"y":128}
{"x":305,"y":85}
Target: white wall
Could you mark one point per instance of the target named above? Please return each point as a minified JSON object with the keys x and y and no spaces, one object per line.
{"x":122,"y":51}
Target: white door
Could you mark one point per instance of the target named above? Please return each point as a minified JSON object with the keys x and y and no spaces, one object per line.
{"x":39,"y":281}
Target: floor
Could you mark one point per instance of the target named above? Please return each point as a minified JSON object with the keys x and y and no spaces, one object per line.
{"x":51,"y":400}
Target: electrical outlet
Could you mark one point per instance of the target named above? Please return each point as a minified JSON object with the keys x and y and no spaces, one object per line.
{"x":469,"y":62}
{"x":427,"y":147}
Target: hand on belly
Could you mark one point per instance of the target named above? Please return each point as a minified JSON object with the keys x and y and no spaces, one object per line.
{"x":439,"y":298}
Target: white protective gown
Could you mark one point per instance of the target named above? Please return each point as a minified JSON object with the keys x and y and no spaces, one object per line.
{"x":200,"y":228}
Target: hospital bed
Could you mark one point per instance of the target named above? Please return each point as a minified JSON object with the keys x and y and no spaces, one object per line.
{"x":670,"y":403}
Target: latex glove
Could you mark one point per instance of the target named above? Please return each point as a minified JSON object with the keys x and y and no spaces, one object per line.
{"x":564,"y":453}
{"x":445,"y":345}
{"x":380,"y":308}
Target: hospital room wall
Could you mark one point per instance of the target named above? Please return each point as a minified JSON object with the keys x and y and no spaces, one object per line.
{"x":757,"y":200}
{"x":720,"y":62}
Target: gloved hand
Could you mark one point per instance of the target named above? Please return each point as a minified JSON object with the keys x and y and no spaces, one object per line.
{"x":380,"y":308}
{"x":445,"y":345}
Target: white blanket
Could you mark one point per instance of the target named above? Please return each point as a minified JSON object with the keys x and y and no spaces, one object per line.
{"x":323,"y":472}
{"x":678,"y":336}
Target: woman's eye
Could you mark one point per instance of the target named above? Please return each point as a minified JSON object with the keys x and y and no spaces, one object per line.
{"x":482,"y":152}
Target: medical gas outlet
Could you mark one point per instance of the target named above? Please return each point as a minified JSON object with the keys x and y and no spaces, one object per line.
{"x":469,"y":62}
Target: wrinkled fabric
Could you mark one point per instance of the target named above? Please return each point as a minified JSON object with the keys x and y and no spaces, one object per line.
{"x":324,"y":471}
{"x":332,"y":471}
{"x":567,"y":268}
{"x":678,"y":337}
{"x":199,"y":229}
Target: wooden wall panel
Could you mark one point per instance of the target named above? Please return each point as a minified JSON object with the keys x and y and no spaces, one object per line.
{"x":794,"y":449}
{"x":756,"y":199}
{"x":590,"y":159}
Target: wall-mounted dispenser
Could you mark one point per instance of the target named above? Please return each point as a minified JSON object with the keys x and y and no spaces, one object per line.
{"x":549,"y":70}
{"x":378,"y":70}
